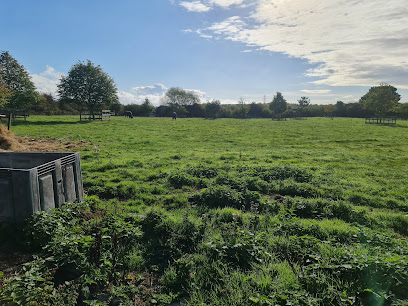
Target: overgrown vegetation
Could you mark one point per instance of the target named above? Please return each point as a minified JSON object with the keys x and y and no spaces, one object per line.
{"x":225,"y":212}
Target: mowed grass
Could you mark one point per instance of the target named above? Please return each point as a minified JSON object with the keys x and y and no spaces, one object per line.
{"x":227,"y":212}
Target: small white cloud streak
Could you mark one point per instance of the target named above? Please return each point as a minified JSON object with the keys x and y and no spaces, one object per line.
{"x":208,"y":5}
{"x":226,"y":3}
{"x":47,"y":81}
{"x":316,"y":91}
{"x":351,"y":43}
{"x":195,"y":6}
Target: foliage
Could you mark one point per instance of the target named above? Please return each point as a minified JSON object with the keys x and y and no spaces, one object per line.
{"x":278,"y":105}
{"x":145,"y":109}
{"x":304,"y":101}
{"x":47,"y":105}
{"x":13,"y":76}
{"x":380,"y":99}
{"x":5,"y":95}
{"x":195,"y":110}
{"x":259,"y":110}
{"x":88,"y":87}
{"x":212,"y":109}
{"x":177,"y":98}
{"x":242,"y":110}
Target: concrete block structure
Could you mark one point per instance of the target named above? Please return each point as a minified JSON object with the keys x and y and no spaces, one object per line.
{"x":31,"y":182}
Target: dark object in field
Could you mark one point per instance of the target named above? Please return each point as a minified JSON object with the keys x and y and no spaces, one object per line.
{"x":277,"y":197}
{"x":129,"y":114}
{"x":381,"y":120}
{"x":174,"y":115}
{"x":31,"y":182}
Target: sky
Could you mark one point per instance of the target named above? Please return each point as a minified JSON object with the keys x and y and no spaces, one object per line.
{"x":220,"y":49}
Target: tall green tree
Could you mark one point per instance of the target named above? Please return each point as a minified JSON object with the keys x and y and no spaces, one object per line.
{"x":380,"y":99}
{"x":88,"y":87}
{"x":177,"y":97}
{"x":304,"y":101}
{"x":5,"y":94}
{"x":212,"y":109}
{"x":278,"y":105}
{"x":242,"y":109}
{"x":20,"y":91}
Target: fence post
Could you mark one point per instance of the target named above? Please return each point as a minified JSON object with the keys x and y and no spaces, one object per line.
{"x":9,"y":121}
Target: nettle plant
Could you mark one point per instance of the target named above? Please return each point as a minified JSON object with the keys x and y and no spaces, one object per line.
{"x":84,"y":245}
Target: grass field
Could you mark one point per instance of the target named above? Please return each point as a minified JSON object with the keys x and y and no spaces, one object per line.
{"x":223,"y":212}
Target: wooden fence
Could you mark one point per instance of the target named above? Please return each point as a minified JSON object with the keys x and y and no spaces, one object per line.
{"x":381,"y":120}
{"x":103,"y":115}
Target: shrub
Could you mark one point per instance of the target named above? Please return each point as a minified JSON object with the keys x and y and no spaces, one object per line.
{"x":224,"y":196}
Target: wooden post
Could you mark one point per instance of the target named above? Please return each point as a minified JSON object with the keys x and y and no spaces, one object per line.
{"x":9,"y":122}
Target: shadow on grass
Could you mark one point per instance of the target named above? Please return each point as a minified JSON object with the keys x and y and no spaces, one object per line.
{"x":18,"y":122}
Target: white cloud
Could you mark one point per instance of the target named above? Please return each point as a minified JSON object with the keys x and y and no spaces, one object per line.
{"x":195,"y":6}
{"x":201,"y":94}
{"x":207,"y":5}
{"x":127,"y":98}
{"x":156,"y":89}
{"x":138,"y":94}
{"x":225,"y":3}
{"x":316,"y":91}
{"x":46,"y":81}
{"x":230,"y":27}
{"x":351,"y":43}
{"x":153,"y":92}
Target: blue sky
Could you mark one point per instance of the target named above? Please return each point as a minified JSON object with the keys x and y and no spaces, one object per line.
{"x":221,"y":49}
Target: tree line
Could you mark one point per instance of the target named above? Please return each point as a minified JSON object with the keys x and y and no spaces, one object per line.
{"x":88,"y":88}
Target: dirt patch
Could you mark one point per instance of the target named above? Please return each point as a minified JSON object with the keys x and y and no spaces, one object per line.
{"x":10,"y":142}
{"x":12,"y":262}
{"x":29,"y":144}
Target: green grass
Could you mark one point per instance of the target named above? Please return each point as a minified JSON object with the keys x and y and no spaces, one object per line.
{"x":224,"y":212}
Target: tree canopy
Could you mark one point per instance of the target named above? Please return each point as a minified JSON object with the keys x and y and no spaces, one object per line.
{"x":304,"y":101}
{"x":278,"y":105}
{"x":5,"y":94}
{"x":212,"y":109}
{"x":380,"y":99}
{"x":177,"y":97}
{"x":17,"y":91}
{"x":89,"y":87}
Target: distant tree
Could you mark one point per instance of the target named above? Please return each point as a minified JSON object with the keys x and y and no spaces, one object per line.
{"x":88,"y":87}
{"x":341,"y":110}
{"x":195,"y":110}
{"x":401,"y":110}
{"x":212,"y":109}
{"x":256,"y":110}
{"x":20,"y":91}
{"x":177,"y":97}
{"x":278,"y":105}
{"x":356,"y":110}
{"x":227,"y":111}
{"x":304,"y":101}
{"x":380,"y":99}
{"x":242,"y":110}
{"x":147,"y":108}
{"x":328,"y":110}
{"x":163,"y":111}
{"x":47,"y":105}
{"x":118,"y":109}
